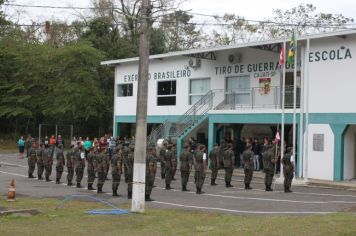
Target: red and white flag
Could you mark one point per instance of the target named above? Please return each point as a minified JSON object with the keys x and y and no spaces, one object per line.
{"x":281,"y":58}
{"x":278,"y":137}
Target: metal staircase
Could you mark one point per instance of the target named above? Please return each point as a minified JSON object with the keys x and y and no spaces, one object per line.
{"x":193,"y":117}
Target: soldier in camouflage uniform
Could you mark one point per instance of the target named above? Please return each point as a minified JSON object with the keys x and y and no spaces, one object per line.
{"x":40,"y":166}
{"x":125,"y":152}
{"x":247,"y":157}
{"x":100,"y":159}
{"x":60,"y":163}
{"x":162,"y":153}
{"x":214,"y":163}
{"x":199,"y":167}
{"x":129,"y":162}
{"x":91,"y":168}
{"x":116,"y":169}
{"x":70,"y":165}
{"x":186,"y":159}
{"x":288,"y":170}
{"x":174,"y":161}
{"x":32,"y":159}
{"x":47,"y":161}
{"x":168,"y":164}
{"x":151,"y":166}
{"x":229,"y":159}
{"x":269,"y":166}
{"x":108,"y":161}
{"x":79,"y":165}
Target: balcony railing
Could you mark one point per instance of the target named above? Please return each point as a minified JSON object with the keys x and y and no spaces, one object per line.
{"x":256,"y":98}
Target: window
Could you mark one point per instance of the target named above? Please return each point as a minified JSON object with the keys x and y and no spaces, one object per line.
{"x":124,"y":90}
{"x":318,"y":142}
{"x":238,"y":90}
{"x":166,"y":93}
{"x":197,"y":89}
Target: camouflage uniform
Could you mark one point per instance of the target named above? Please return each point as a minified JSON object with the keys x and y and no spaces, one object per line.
{"x":129,"y":162}
{"x":100,"y":160}
{"x":288,"y":172}
{"x":79,"y":166}
{"x":32,"y":159}
{"x":70,"y":166}
{"x":228,"y":165}
{"x":47,"y":162}
{"x":162,"y":154}
{"x":107,"y":160}
{"x":199,"y":170}
{"x":268,"y":167}
{"x":125,"y":153}
{"x":91,"y":169}
{"x":151,"y":166}
{"x":40,"y":166}
{"x":174,"y":162}
{"x":116,"y":170}
{"x":59,"y":165}
{"x":247,"y":157}
{"x":214,"y":163}
{"x":186,"y":158}
{"x":168,"y":164}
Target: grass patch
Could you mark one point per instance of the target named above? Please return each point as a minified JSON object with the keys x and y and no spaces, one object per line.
{"x":71,"y":219}
{"x":8,"y":146}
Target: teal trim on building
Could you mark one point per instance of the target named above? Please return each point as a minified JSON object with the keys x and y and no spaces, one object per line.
{"x":339,"y":133}
{"x":150,"y":119}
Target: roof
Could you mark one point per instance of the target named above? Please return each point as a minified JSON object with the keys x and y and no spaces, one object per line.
{"x":222,"y":48}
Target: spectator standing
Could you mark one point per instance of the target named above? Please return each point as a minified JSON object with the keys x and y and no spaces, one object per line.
{"x":87,"y":145}
{"x":21,"y":145}
{"x":256,"y":149}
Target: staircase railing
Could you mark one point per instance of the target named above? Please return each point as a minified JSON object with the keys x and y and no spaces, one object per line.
{"x":195,"y":113}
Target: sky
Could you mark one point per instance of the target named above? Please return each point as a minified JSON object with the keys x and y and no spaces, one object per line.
{"x":250,"y":9}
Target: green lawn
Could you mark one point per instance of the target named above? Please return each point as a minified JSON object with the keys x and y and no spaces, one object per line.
{"x":71,"y":219}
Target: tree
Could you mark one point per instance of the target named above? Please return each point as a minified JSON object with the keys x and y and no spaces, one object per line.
{"x":304,"y":20}
{"x":179,"y":32}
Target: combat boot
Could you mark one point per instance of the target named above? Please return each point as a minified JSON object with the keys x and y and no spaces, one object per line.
{"x":184,"y":189}
{"x":162,"y":176}
{"x":30,"y":176}
{"x":129,"y":195}
{"x":269,"y":188}
{"x":213,"y":182}
{"x":199,"y":191}
{"x":100,"y":190}
{"x":148,"y":198}
{"x":79,"y":185}
{"x":90,"y":187}
{"x":229,"y":185}
{"x":40,"y":177}
{"x":69,"y":183}
{"x":266,"y":187}
{"x":168,"y":186}
{"x":247,"y":186}
{"x":114,"y":193}
{"x":285,"y":189}
{"x":47,"y":179}
{"x":57,"y":181}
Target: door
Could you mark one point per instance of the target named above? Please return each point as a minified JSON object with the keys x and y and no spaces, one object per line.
{"x":238,"y":90}
{"x":354,"y":156}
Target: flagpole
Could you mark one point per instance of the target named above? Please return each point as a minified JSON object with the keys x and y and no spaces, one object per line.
{"x":283,"y":106}
{"x":295,"y":97}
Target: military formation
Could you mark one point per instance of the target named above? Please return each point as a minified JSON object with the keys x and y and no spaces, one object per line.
{"x":98,"y":160}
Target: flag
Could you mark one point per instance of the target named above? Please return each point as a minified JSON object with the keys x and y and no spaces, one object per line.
{"x":291,"y":52}
{"x":277,"y":138}
{"x":281,"y":58}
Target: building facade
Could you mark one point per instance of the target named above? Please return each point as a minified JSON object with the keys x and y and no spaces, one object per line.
{"x":230,"y":92}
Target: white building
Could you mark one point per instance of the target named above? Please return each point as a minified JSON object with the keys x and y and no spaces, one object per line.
{"x":235,"y":91}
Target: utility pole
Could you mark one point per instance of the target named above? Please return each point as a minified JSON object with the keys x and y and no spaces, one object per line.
{"x":139,"y":172}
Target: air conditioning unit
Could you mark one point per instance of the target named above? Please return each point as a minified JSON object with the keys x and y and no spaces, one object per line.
{"x":235,"y":58}
{"x":195,"y":62}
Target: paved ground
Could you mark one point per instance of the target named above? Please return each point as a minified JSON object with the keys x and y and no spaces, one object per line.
{"x":304,"y":200}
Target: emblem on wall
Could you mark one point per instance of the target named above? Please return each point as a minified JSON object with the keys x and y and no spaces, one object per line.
{"x":265,"y":85}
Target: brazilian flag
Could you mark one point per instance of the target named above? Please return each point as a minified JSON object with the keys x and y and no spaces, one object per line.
{"x":292,"y":48}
